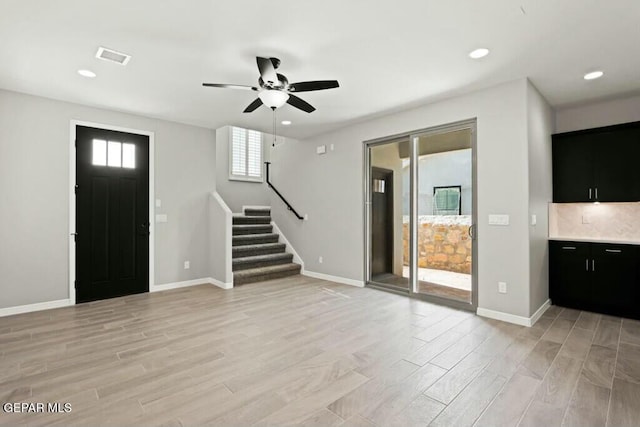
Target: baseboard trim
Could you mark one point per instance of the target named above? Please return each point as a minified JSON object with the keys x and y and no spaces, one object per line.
{"x":39,"y":306}
{"x":187,"y":283}
{"x":330,"y":278}
{"x":289,"y":247}
{"x":220,"y":284}
{"x":512,"y":318}
{"x":539,"y":312}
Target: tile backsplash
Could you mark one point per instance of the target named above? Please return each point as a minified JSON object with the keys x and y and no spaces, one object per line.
{"x":604,"y":221}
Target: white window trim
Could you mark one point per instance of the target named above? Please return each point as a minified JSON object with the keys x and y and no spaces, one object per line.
{"x":244,"y":178}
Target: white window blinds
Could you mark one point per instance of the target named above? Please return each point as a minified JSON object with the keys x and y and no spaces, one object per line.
{"x":246,"y":154}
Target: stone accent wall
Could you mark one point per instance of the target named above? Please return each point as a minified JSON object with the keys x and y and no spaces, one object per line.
{"x":443,"y":243}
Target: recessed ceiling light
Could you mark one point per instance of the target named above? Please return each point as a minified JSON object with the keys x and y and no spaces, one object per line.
{"x":593,"y":75}
{"x":286,"y":122}
{"x":87,"y":73}
{"x":479,"y":53}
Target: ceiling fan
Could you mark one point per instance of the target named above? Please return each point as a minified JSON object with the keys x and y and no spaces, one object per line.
{"x":274,"y":90}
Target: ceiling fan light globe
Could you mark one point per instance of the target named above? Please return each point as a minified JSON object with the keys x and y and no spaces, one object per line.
{"x":273,"y":98}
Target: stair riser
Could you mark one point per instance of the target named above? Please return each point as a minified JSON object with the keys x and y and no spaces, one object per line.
{"x":256,"y":212}
{"x":255,"y":241}
{"x":239,"y":253}
{"x":271,"y":276}
{"x":263,"y":263}
{"x":256,"y":230}
{"x":237,"y":220}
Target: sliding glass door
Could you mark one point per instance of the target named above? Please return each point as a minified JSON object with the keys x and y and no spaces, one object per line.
{"x":420,"y":214}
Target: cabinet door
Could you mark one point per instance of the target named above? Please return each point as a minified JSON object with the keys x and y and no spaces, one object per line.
{"x":572,"y":168}
{"x":569,"y":274}
{"x":615,"y":278}
{"x":616,"y":172}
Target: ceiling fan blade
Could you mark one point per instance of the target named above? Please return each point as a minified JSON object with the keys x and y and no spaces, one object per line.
{"x":255,"y":104}
{"x":267,"y":70}
{"x":315,"y":85}
{"x":222,"y":85}
{"x":300,"y":104}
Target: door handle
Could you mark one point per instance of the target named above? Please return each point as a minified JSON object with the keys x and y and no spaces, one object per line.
{"x":569,"y":248}
{"x":613,"y":251}
{"x":589,"y":193}
{"x":596,"y":193}
{"x":593,"y":265}
{"x":471,"y":232}
{"x":587,"y":264}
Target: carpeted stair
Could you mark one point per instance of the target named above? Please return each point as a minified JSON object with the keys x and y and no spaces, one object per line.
{"x":257,"y":255}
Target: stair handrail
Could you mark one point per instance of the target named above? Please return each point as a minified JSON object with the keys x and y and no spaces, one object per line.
{"x":280,"y":195}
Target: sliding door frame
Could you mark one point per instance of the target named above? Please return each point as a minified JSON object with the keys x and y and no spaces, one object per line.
{"x":412,"y":137}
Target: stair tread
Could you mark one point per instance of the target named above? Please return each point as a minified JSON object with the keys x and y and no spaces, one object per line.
{"x":250,"y":226}
{"x":259,"y":271}
{"x":259,"y":245}
{"x":263,"y":257}
{"x":257,"y":212}
{"x":255,"y":236}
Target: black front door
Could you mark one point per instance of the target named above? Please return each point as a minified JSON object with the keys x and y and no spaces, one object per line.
{"x":381,"y":221}
{"x":112,"y":214}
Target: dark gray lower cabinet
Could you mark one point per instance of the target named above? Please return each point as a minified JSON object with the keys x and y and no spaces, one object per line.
{"x":597,"y":277}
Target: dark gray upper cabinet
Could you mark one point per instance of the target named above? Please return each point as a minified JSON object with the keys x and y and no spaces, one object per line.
{"x":597,"y":165}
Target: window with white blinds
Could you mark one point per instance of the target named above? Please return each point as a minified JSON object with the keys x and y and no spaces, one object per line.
{"x":245,"y":154}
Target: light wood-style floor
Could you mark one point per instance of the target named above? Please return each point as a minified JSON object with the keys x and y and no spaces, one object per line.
{"x":300,"y":351}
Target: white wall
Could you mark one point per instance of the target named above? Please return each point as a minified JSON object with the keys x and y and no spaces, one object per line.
{"x":596,"y":114}
{"x":540,"y":125}
{"x":34,"y":192}
{"x":330,"y":189}
{"x":238,"y":193}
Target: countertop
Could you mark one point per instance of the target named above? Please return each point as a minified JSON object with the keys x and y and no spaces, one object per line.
{"x":595,"y":240}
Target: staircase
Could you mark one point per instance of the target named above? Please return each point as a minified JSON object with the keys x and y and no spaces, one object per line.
{"x":257,"y":255}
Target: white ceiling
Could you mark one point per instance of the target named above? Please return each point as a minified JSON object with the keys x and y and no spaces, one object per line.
{"x":388,"y":56}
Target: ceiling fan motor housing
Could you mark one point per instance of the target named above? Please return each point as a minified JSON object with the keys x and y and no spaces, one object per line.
{"x":274,"y":89}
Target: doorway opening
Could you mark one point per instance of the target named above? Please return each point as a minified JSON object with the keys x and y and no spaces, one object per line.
{"x":112,"y":243}
{"x":430,"y":243}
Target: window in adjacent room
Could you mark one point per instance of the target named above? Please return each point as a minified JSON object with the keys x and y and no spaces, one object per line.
{"x":245,"y":160}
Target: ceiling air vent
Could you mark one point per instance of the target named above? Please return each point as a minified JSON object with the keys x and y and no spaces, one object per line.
{"x":112,"y":56}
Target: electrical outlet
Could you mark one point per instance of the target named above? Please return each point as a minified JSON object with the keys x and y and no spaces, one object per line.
{"x":332,"y":147}
{"x":586,"y":219}
{"x":187,"y":265}
{"x":306,"y":217}
{"x":502,"y":287}
{"x":320,"y":260}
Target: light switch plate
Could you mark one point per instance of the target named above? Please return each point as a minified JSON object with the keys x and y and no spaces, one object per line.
{"x":161,"y":218}
{"x":534,"y":219}
{"x":498,"y":219}
{"x":321,"y":149}
{"x":158,"y":203}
